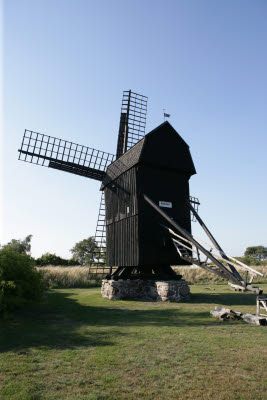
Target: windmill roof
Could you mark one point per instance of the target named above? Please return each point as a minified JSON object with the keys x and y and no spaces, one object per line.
{"x":163,"y":147}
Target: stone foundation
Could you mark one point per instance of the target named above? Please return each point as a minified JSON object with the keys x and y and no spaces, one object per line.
{"x":137,"y":289}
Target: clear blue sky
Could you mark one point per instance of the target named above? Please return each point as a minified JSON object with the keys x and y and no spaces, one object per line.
{"x":65,"y":65}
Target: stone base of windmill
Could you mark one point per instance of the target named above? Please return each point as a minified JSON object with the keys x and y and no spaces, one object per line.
{"x":145,"y":290}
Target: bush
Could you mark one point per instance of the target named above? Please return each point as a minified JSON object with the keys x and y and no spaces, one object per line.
{"x":53,"y":259}
{"x":19,"y":281}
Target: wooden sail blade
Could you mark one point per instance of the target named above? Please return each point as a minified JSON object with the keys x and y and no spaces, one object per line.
{"x":132,"y":121}
{"x":77,"y":170}
{"x":63,"y":155}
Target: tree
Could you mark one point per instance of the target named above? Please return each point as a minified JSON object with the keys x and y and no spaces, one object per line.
{"x":53,"y":259}
{"x":20,"y":246}
{"x":257,"y":252}
{"x":83,"y":251}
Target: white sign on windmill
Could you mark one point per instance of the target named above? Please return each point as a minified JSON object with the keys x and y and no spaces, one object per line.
{"x":166,"y":204}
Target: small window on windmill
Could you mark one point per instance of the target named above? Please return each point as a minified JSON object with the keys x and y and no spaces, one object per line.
{"x":194,"y":201}
{"x":114,"y":187}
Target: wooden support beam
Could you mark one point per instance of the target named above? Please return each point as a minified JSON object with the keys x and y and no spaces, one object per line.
{"x":237,"y":287}
{"x":198,"y":255}
{"x":246,"y":267}
{"x":216,"y":244}
{"x":250,"y":288}
{"x":188,"y":236}
{"x":183,"y":245}
{"x":205,"y":266}
{"x":236,"y":262}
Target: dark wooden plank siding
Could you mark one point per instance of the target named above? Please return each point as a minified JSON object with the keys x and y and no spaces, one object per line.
{"x":160,"y":166}
{"x":122,"y":239}
{"x":122,"y":220}
{"x":161,"y":185}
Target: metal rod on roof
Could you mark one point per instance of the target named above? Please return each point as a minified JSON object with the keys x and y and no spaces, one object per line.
{"x":165,"y":115}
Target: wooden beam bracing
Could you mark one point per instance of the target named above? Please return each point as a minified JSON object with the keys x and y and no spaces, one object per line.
{"x":188,"y":236}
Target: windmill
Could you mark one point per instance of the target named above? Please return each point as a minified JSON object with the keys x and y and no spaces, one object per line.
{"x":51,"y":152}
{"x":148,"y":211}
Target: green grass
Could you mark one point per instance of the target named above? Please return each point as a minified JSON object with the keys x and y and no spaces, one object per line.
{"x":76,"y":345}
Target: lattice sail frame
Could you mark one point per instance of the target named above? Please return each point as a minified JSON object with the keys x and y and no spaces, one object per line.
{"x":131,"y":130}
{"x":48,"y":151}
{"x":194,"y":201}
{"x":132,"y":122}
{"x":98,"y":266}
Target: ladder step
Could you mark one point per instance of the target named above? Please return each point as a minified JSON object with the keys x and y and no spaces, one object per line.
{"x":99,"y":266}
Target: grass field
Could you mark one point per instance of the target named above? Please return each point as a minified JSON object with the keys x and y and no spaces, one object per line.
{"x":77,"y":277}
{"x":76,"y":345}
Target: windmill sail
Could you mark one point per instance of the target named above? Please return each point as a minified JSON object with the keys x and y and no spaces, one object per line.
{"x":194,"y":201}
{"x":132,"y":121}
{"x":63,"y":155}
{"x":70,"y":157}
{"x":98,"y":265}
{"x":131,"y":130}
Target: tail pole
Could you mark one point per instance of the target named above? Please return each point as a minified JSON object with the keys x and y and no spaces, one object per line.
{"x":186,"y":245}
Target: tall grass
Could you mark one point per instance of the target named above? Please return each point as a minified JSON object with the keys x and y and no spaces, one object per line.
{"x":68,"y":277}
{"x":77,"y":277}
{"x":198,"y":275}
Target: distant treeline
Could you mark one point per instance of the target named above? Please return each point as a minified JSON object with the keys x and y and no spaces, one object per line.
{"x":252,"y":261}
{"x":53,"y":259}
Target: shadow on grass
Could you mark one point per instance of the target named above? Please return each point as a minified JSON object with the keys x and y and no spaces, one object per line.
{"x":227,"y":299}
{"x":61,"y":322}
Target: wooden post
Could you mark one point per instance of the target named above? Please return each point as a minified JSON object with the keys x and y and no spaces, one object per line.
{"x":258,"y":306}
{"x":208,"y":233}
